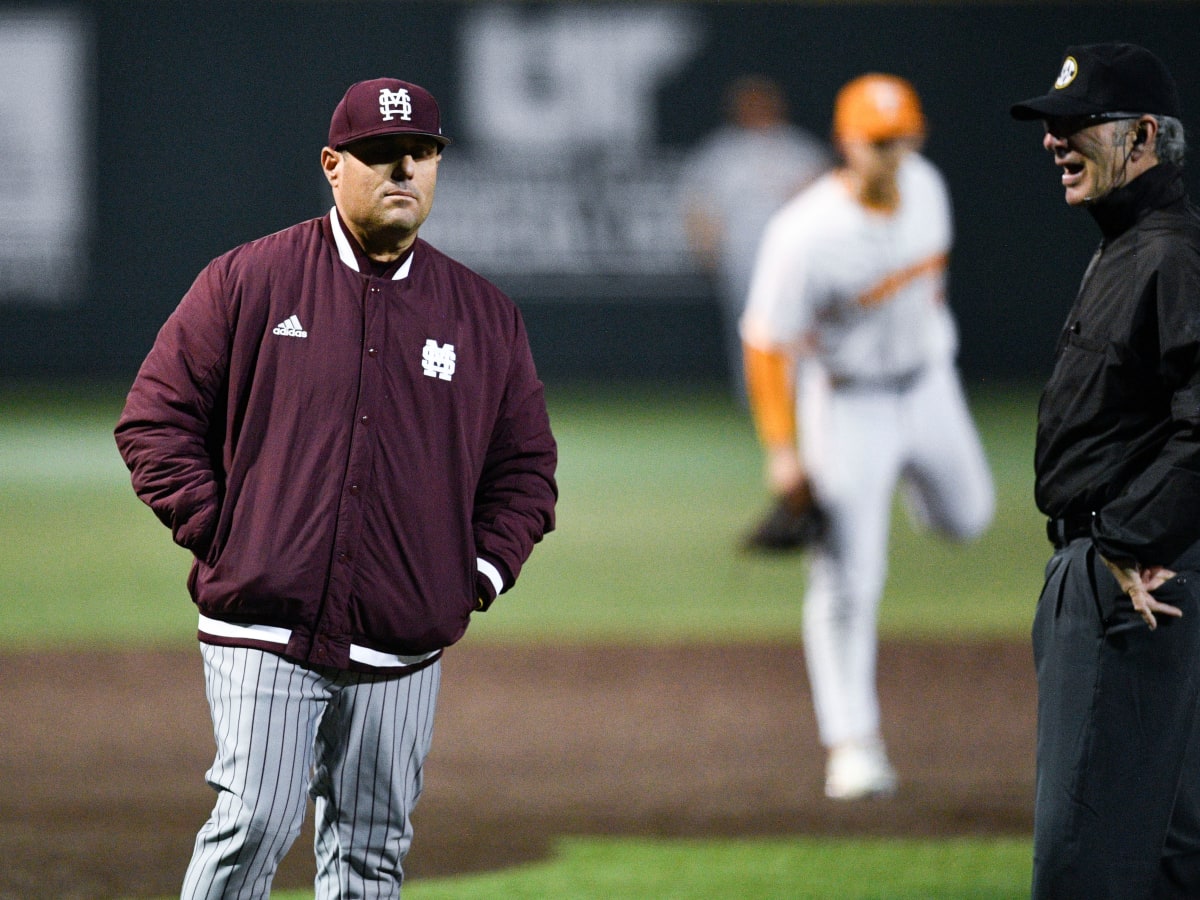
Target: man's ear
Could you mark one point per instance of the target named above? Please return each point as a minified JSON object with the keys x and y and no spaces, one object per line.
{"x":330,"y":160}
{"x":1144,"y":134}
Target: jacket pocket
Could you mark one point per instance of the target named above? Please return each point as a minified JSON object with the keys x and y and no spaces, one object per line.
{"x":197,"y":533}
{"x":1087,"y":343}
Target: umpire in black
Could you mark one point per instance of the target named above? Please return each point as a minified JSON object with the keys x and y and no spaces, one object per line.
{"x":1116,"y":637}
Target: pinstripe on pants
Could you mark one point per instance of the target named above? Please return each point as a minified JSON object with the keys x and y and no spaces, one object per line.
{"x":356,"y":742}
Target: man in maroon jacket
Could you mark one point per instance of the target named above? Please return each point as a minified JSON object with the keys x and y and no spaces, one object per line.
{"x":346,"y":429}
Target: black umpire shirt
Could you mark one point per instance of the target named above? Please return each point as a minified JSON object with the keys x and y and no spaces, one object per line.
{"x":1118,"y":438}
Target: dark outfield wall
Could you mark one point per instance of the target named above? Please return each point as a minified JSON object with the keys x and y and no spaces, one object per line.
{"x":208,"y":119}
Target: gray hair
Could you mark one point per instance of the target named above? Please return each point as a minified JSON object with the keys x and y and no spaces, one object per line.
{"x":1171,"y":144}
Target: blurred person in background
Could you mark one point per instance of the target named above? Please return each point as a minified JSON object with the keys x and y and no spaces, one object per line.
{"x":731,"y":184}
{"x":1116,"y":636}
{"x":345,"y":428}
{"x":850,"y":362}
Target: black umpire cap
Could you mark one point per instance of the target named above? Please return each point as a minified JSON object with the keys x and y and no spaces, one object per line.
{"x":1106,"y":79}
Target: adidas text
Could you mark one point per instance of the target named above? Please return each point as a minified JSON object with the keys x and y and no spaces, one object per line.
{"x":290,"y":327}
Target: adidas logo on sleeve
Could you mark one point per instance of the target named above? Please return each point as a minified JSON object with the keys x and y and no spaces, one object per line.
{"x":290,"y":327}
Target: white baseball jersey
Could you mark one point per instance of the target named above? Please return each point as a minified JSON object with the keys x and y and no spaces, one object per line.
{"x":861,"y":289}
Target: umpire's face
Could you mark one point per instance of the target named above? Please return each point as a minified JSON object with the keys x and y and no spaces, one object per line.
{"x":383,"y":187}
{"x":1096,"y":156}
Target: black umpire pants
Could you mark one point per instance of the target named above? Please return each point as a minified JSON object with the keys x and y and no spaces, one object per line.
{"x":1117,"y":812}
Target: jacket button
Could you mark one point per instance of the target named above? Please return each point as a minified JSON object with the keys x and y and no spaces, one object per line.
{"x":354,"y":490}
{"x":372,"y":352}
{"x":366,"y":420}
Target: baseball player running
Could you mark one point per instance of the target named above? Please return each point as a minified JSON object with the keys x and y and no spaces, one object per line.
{"x":345,"y":428}
{"x":850,"y":369}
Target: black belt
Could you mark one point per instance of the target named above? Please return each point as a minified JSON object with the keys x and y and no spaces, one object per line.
{"x":1062,"y":531}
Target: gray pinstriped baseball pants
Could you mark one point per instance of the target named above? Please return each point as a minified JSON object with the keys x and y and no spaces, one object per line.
{"x":357,"y":743}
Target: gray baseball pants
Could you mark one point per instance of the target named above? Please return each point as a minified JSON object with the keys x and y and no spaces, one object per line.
{"x":356,"y":743}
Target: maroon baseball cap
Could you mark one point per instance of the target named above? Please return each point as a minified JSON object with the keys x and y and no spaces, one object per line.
{"x":385,"y":106}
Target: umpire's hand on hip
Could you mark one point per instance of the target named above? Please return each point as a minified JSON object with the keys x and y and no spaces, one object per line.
{"x":1138,"y":581}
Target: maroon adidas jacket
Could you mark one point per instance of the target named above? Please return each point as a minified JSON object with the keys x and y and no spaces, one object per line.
{"x":353,"y":460}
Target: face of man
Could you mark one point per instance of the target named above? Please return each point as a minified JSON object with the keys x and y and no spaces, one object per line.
{"x":383,"y":187}
{"x":875,"y":160}
{"x":875,"y":164}
{"x":1094,"y":156}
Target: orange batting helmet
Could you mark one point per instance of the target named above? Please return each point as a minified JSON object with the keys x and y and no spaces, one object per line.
{"x":877,"y":107}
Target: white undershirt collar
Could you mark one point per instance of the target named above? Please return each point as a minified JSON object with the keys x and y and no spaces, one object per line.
{"x":346,"y":251}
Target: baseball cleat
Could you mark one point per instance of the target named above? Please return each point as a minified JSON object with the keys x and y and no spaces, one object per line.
{"x":859,"y":770}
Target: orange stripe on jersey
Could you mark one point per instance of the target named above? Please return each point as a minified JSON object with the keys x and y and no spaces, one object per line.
{"x":769,"y":390}
{"x":895,"y":281}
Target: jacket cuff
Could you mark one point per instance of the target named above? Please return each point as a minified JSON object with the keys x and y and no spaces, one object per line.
{"x":489,"y":583}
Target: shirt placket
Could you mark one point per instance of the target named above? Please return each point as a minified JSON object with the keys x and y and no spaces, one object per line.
{"x":331,"y":645}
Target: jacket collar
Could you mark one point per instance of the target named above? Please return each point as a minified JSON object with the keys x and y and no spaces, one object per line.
{"x":1120,"y":210}
{"x":348,"y":250}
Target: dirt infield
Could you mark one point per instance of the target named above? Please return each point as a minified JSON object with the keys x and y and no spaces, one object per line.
{"x":103,"y":755}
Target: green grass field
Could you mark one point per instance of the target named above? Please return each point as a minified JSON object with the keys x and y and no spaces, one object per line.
{"x":656,"y":488}
{"x":766,"y":869}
